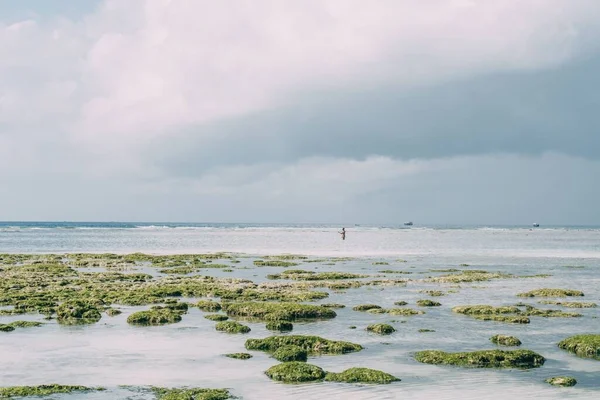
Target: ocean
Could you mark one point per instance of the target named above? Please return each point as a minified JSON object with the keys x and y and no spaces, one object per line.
{"x":112,"y":353}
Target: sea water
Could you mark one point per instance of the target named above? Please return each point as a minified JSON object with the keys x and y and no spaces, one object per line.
{"x":190,"y":353}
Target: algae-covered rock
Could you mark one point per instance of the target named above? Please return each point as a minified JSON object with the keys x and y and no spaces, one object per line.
{"x":564,"y":381}
{"x":283,"y":311}
{"x":192,"y":394}
{"x":381,"y":329}
{"x":426,"y":330}
{"x":523,"y":359}
{"x":485,"y":310}
{"x":404,"y":311}
{"x":232,"y":327}
{"x":77,"y":312}
{"x":216,"y":317}
{"x":586,"y":346}
{"x":112,"y":312}
{"x":25,"y":324}
{"x":433,"y":293}
{"x":366,"y":307}
{"x":428,"y":303}
{"x":551,"y":293}
{"x":207,"y":305}
{"x":280,"y":326}
{"x":400,"y":303}
{"x":312,"y":344}
{"x":41,"y":390}
{"x":274,"y":263}
{"x":505,"y":340}
{"x":6,"y":328}
{"x":377,"y":311}
{"x":510,"y":319}
{"x":332,"y":305}
{"x":295,"y":372}
{"x":239,"y":356}
{"x":290,"y":353}
{"x":536,"y":312}
{"x":470,"y":276}
{"x":570,"y":304}
{"x":154,"y":317}
{"x":361,"y":375}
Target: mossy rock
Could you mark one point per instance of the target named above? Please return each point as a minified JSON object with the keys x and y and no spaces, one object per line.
{"x":551,"y":293}
{"x":428,"y":303}
{"x":565,"y":381}
{"x":192,"y":394}
{"x":239,"y":356}
{"x":586,"y":346}
{"x":426,"y":330}
{"x":207,"y":305}
{"x":284,"y":311}
{"x":312,"y":344}
{"x":6,"y":328}
{"x":400,"y":303}
{"x":433,"y":293}
{"x":295,"y":372}
{"x":366,"y":307}
{"x":536,"y":312}
{"x":154,"y":317}
{"x":361,"y":375}
{"x":404,"y":311}
{"x":216,"y":317}
{"x":280,"y":326}
{"x":377,"y":311}
{"x":505,"y":340}
{"x":570,"y":304}
{"x":381,"y":329}
{"x":509,"y":319}
{"x":41,"y":390}
{"x":232,"y":327}
{"x":332,"y":305}
{"x":485,"y":310}
{"x":112,"y":312}
{"x":274,"y":263}
{"x":522,"y":359}
{"x":25,"y":324}
{"x":74,"y":312}
{"x":290,"y":353}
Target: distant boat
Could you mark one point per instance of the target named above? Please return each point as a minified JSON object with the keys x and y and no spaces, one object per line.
{"x":536,"y":225}
{"x":409,"y":223}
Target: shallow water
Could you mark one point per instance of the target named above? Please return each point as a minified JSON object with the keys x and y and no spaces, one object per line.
{"x":112,"y":353}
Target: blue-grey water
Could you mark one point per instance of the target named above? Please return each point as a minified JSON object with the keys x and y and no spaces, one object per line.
{"x":112,"y":353}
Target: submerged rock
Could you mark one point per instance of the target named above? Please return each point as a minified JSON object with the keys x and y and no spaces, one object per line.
{"x":381,"y":329}
{"x":216,"y":317}
{"x":361,"y":375}
{"x":511,"y":319}
{"x":366,"y":307}
{"x":290,"y":353}
{"x":505,"y":340}
{"x":41,"y":390}
{"x":404,"y":311}
{"x":154,"y":317}
{"x":428,"y":303}
{"x":25,"y":324}
{"x":400,"y":303}
{"x":485,"y":310}
{"x":523,"y":359}
{"x":207,"y":305}
{"x":551,"y":293}
{"x":312,"y":344}
{"x":295,"y":372}
{"x":232,"y":327}
{"x":333,"y":305}
{"x":269,"y":311}
{"x":112,"y":312}
{"x":280,"y":326}
{"x":586,"y":346}
{"x":192,"y":394}
{"x":6,"y":328}
{"x":570,"y":304}
{"x":239,"y":356}
{"x":77,"y":312}
{"x":565,"y":381}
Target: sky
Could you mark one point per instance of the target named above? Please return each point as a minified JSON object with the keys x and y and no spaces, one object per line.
{"x":380,"y":112}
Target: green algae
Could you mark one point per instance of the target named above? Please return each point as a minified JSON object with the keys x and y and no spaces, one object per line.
{"x":361,"y":375}
{"x":381,"y":263}
{"x":433,"y":293}
{"x":290,"y":353}
{"x":295,"y":372}
{"x":404,"y":311}
{"x":564,"y":381}
{"x":505,"y":340}
{"x":154,"y":317}
{"x":301,"y":275}
{"x":585,"y":346}
{"x":485,"y":310}
{"x":381,"y":329}
{"x":74,"y":312}
{"x":391,"y":271}
{"x":232,"y":327}
{"x":551,"y":293}
{"x":377,"y":311}
{"x":314,"y":345}
{"x":239,"y":356}
{"x":112,"y":312}
{"x":470,"y":276}
{"x":332,"y":305}
{"x":400,"y":303}
{"x":536,"y":312}
{"x":510,"y":319}
{"x":279,"y":311}
{"x":426,"y":330}
{"x":428,"y":303}
{"x":41,"y":390}
{"x":6,"y":328}
{"x":366,"y":307}
{"x":274,"y":263}
{"x":216,"y":317}
{"x":207,"y":305}
{"x":570,"y":304}
{"x":25,"y":324}
{"x":280,"y":326}
{"x":179,"y":270}
{"x":522,"y":359}
{"x":191,"y":394}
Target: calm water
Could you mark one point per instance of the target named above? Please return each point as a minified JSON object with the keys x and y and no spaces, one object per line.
{"x":111,"y":353}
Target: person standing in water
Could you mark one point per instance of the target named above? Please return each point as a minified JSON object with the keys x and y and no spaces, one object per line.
{"x":343,"y":233}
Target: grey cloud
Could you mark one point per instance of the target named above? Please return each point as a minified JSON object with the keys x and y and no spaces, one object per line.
{"x":527,"y":112}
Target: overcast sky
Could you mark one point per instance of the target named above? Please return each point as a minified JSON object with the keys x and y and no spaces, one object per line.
{"x":441,"y":111}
